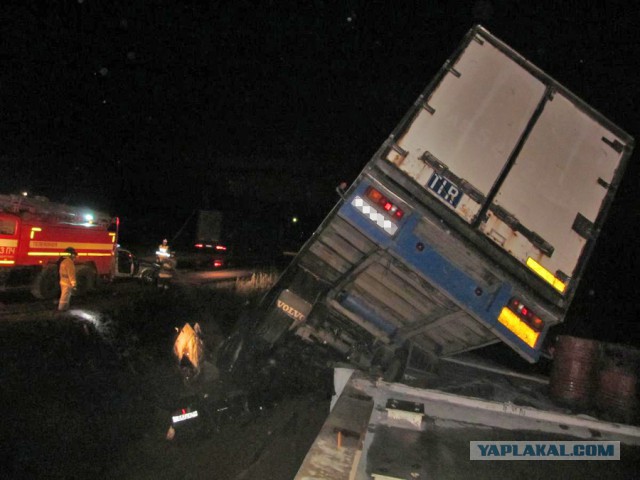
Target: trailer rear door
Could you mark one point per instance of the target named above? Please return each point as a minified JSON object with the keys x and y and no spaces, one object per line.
{"x":515,"y":155}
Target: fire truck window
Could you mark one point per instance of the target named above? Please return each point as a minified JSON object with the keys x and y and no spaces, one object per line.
{"x":7,"y":227}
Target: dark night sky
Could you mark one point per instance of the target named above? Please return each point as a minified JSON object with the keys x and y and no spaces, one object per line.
{"x":146,"y":108}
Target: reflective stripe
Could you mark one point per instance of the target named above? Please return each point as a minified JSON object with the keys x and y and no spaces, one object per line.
{"x":523,"y":331}
{"x":34,"y":230}
{"x":5,"y":242}
{"x":546,"y":275}
{"x":77,"y":246}
{"x":53,"y":254}
{"x":378,"y":218}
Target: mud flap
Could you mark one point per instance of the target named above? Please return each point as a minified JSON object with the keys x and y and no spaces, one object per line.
{"x":288,"y":311}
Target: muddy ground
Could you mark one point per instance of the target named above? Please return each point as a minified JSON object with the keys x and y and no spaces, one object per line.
{"x":90,"y":394}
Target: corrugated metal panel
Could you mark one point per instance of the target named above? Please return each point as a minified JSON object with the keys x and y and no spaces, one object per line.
{"x":424,"y":317}
{"x":338,"y":248}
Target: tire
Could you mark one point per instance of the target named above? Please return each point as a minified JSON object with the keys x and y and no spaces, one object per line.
{"x":230,"y":352}
{"x":86,"y":280}
{"x":395,"y":369}
{"x":46,"y":285}
{"x":274,"y":328}
{"x":149,"y":277}
{"x":380,"y":360}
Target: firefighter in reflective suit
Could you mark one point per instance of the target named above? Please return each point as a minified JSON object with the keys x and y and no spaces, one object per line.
{"x":163,"y":252}
{"x":68,"y":282}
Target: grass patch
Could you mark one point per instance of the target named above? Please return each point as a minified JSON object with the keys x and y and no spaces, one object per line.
{"x":257,"y":284}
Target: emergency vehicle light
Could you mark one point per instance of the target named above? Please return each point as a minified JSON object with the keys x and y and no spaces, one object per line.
{"x":198,"y":245}
{"x":381,"y":200}
{"x":221,"y":247}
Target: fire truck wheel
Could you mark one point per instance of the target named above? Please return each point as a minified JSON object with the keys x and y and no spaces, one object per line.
{"x":86,"y":278}
{"x":45,"y":286}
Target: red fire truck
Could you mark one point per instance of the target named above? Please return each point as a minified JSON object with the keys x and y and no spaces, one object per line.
{"x":34,"y":234}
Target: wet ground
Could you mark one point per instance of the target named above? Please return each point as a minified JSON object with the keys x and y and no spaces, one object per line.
{"x":90,"y":394}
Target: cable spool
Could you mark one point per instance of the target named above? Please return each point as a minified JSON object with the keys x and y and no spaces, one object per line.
{"x":574,"y":370}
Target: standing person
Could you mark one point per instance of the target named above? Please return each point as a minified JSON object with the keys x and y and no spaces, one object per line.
{"x":167,"y":270}
{"x":67,"y":278}
{"x":163,"y":251}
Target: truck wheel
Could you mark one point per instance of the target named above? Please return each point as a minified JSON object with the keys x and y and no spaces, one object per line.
{"x":45,"y":286}
{"x":230,"y":351}
{"x":273,"y":328}
{"x":395,"y":369}
{"x":86,"y":280}
{"x":380,"y":359}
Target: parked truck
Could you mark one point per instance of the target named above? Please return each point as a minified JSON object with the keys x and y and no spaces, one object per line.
{"x":472,"y":224}
{"x":34,"y":233}
{"x":198,"y":244}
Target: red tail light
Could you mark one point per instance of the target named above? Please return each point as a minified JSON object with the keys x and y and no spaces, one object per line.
{"x":198,"y":245}
{"x":526,"y":314}
{"x":537,"y":323}
{"x":218,"y":263}
{"x":375,"y":195}
{"x":221,"y":248}
{"x":381,"y":200}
